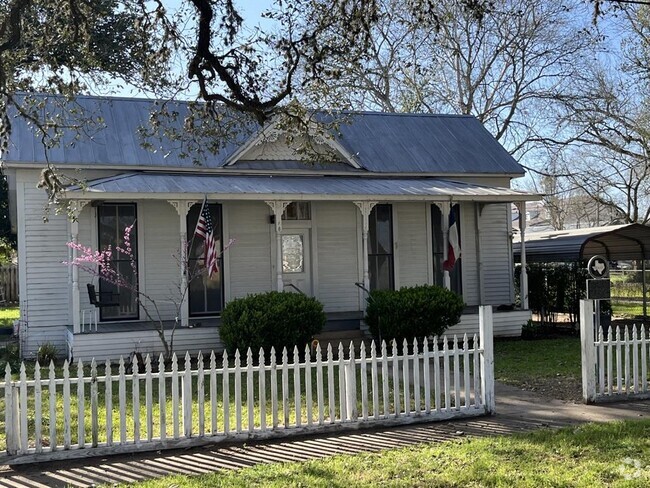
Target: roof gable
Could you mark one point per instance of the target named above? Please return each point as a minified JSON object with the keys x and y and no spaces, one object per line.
{"x":271,"y":144}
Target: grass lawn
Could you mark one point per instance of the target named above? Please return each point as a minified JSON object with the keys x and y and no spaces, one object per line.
{"x":592,"y":455}
{"x":627,"y":309}
{"x":550,"y":366}
{"x":8,"y":315}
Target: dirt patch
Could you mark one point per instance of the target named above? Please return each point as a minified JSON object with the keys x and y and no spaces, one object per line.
{"x":560,"y":387}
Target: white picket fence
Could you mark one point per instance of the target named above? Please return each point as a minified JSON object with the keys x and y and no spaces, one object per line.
{"x":614,"y":363}
{"x":97,"y":412}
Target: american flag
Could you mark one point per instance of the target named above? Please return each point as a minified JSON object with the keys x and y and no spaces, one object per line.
{"x":205,"y":230}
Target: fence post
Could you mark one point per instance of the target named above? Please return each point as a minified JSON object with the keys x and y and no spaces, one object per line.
{"x":351,"y":386}
{"x":487,"y":359}
{"x":587,"y":350}
{"x":11,"y":414}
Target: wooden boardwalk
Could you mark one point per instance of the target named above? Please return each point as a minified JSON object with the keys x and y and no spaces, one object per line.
{"x":516,"y":412}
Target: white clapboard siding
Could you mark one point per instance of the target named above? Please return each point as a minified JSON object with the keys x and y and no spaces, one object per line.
{"x":87,"y":237}
{"x":336,"y":245}
{"x":506,"y":323}
{"x":468,"y":253}
{"x":250,"y":257}
{"x":412,"y":253}
{"x":495,"y":255}
{"x":112,"y":345}
{"x":160,"y":224}
{"x":43,"y":247}
{"x":428,"y":383}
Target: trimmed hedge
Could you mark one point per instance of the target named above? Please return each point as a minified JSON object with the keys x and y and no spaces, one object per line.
{"x":273,"y":319}
{"x":412,"y":312}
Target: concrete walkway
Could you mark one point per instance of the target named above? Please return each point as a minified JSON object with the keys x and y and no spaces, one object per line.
{"x":517,"y":411}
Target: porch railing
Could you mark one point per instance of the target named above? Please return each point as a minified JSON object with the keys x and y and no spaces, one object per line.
{"x":99,"y":411}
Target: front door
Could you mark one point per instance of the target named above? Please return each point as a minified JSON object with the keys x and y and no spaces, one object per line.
{"x":296,"y":261}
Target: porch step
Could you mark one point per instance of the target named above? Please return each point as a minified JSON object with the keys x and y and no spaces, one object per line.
{"x":343,"y":321}
{"x":344,"y":337}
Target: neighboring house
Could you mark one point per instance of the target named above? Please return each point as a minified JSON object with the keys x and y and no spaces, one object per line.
{"x":378,"y":217}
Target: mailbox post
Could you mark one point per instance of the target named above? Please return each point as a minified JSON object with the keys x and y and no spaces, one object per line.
{"x":599,"y":287}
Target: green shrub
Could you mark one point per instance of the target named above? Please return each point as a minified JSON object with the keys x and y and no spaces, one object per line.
{"x":271,"y":319}
{"x":46,"y":353}
{"x":530,"y":330}
{"x":10,"y":354}
{"x":412,"y":312}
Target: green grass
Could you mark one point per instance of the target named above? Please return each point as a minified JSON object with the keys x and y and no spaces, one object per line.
{"x":627,"y":309}
{"x":519,"y":362}
{"x":592,"y":455}
{"x":8,"y":315}
{"x":168,"y":404}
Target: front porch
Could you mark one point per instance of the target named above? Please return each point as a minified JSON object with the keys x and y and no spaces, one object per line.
{"x":112,"y":340}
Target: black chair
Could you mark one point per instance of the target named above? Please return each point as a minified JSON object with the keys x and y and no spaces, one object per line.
{"x":111,"y":301}
{"x":89,"y":316}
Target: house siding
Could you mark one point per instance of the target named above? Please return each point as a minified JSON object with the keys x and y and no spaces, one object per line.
{"x":337,"y":250}
{"x":250,"y":257}
{"x":146,"y":341}
{"x":411,"y":247}
{"x":160,"y":266}
{"x":468,"y":254}
{"x":496,"y":255}
{"x":45,"y":291}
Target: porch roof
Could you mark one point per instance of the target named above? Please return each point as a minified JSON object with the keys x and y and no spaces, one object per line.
{"x":237,"y":187}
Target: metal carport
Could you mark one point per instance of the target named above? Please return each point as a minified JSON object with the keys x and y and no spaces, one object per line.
{"x":615,"y":242}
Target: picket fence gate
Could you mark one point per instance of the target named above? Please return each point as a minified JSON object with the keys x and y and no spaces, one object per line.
{"x":62,"y":417}
{"x":614,"y":362}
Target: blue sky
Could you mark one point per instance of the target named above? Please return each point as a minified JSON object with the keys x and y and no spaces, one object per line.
{"x":250,"y":9}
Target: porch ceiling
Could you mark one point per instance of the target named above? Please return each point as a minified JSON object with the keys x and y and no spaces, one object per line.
{"x":237,"y":187}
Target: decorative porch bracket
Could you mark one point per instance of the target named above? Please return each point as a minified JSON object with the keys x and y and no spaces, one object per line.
{"x":523,"y":287}
{"x":365,"y":208}
{"x":182,"y":207}
{"x":76,"y":206}
{"x":445,"y":208}
{"x":278,"y":207}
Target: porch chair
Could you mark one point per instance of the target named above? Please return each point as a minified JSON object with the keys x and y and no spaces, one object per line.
{"x":92,"y":314}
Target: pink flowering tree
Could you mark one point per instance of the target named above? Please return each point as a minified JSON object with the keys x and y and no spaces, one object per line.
{"x":101,"y":264}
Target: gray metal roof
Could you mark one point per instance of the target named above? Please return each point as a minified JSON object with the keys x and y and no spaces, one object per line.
{"x":381,"y":142}
{"x":422,"y":143}
{"x":141,"y":185}
{"x":295,"y":165}
{"x":615,"y":242}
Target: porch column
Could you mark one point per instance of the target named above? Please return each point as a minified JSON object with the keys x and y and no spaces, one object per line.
{"x":365,"y":208}
{"x":523,"y":288}
{"x":277,"y":207}
{"x":75,"y":209}
{"x":445,"y":208}
{"x":182,"y":207}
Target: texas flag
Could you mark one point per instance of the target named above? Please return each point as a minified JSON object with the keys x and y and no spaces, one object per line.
{"x":454,"y":243}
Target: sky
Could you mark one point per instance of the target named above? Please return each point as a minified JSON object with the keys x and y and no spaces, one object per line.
{"x":251,"y":11}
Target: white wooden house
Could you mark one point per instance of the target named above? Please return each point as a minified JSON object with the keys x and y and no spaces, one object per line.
{"x":376,"y":219}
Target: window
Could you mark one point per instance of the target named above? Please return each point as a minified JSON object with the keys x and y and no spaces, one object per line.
{"x":455,"y":275}
{"x":205,"y":294}
{"x":438,"y":245}
{"x":297,"y":211}
{"x":380,"y":248}
{"x":113,"y":219}
{"x":293,"y":253}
